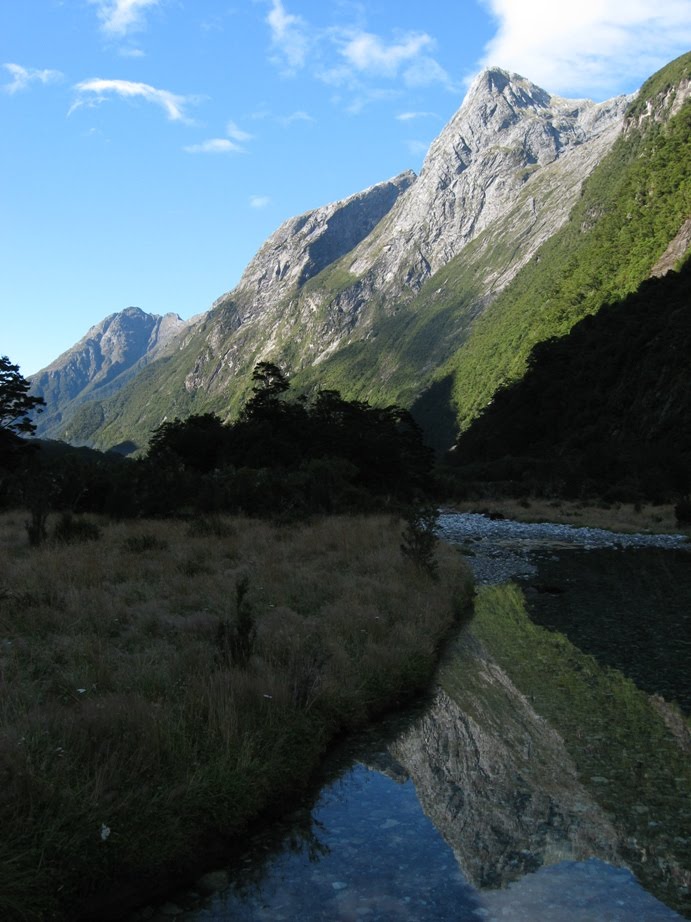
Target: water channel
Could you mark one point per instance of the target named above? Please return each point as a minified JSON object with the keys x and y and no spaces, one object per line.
{"x":545,"y":779}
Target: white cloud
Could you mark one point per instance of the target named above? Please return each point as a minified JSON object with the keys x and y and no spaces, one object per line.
{"x":95,"y":91}
{"x":592,"y":47}
{"x":350,"y":56}
{"x":299,"y":116}
{"x":22,"y":77}
{"x":131,"y":53}
{"x":259,"y":201}
{"x":118,"y":17}
{"x":289,"y":37}
{"x":367,"y":53}
{"x":409,"y":116}
{"x":237,"y":134}
{"x":215,"y":146}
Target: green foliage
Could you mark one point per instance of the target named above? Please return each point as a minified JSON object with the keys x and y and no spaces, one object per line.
{"x":632,"y":205}
{"x":317,"y":454}
{"x":660,"y":83}
{"x":16,"y":404}
{"x":16,"y":408}
{"x":196,"y":442}
{"x":606,"y":406}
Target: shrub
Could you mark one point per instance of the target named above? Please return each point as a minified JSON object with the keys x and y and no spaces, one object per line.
{"x":682,"y":511}
{"x":69,"y":530}
{"x":420,"y":539}
{"x":140,"y":544}
{"x":235,"y":639}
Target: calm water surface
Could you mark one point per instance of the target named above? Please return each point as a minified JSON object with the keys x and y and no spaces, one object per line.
{"x":469,"y":807}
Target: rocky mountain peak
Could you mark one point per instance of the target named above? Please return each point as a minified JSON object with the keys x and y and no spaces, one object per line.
{"x":494,"y":83}
{"x":117,"y":346}
{"x":506,"y":132}
{"x":304,"y":245}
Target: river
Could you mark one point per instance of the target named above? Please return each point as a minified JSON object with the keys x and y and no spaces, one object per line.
{"x":545,"y":779}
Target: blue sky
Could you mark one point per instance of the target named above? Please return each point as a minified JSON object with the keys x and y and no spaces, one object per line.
{"x":149,"y":147}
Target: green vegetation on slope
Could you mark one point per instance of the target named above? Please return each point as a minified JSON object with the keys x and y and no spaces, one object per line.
{"x":168,"y":682}
{"x":632,"y":205}
{"x":604,"y":408}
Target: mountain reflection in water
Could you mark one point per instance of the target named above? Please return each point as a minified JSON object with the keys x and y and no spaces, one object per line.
{"x":474,"y":807}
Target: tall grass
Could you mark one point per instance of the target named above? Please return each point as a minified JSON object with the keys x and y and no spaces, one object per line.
{"x":129,"y":730}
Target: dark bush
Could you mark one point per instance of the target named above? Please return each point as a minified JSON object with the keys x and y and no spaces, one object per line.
{"x":70,"y":530}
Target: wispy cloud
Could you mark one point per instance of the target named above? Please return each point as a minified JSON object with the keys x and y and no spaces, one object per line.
{"x":290,"y":38}
{"x":131,"y":53}
{"x":237,"y":134}
{"x":367,"y":53}
{"x":215,"y":146}
{"x":409,"y":116}
{"x":299,"y":116}
{"x":23,"y":77}
{"x":232,"y":144}
{"x":364,"y":56}
{"x":119,"y":17}
{"x":259,"y":201}
{"x":351,"y":56}
{"x":586,"y":48}
{"x":96,"y":90}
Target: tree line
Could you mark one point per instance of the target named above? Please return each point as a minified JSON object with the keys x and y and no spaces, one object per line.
{"x":285,"y":454}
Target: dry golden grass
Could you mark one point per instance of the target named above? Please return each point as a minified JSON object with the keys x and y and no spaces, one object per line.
{"x":130,"y":726}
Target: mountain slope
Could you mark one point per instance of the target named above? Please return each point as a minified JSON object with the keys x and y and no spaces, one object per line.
{"x":375,"y":312}
{"x":101,"y":362}
{"x":633,"y":207}
{"x":529,"y":212}
{"x":608,"y":404}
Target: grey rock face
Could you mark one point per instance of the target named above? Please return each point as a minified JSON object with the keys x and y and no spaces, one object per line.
{"x":246,"y":324}
{"x":100,"y":362}
{"x":507,"y":133}
{"x":509,"y":165}
{"x":497,"y":781}
{"x":303,"y":246}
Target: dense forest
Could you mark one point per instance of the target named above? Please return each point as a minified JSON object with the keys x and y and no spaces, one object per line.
{"x":603,"y":411}
{"x":284,"y":455}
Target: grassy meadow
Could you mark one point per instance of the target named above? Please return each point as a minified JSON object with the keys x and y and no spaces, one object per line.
{"x":166,"y":682}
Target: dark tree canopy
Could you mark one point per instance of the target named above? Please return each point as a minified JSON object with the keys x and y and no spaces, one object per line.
{"x":320,"y":452}
{"x":16,"y":405}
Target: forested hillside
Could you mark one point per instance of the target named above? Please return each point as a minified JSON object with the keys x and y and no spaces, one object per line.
{"x":604,"y":410}
{"x":632,"y":206}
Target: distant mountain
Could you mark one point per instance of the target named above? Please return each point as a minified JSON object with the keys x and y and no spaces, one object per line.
{"x":108,"y":356}
{"x":530,"y":211}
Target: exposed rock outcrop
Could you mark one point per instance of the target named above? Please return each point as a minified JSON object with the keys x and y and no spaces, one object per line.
{"x":510,"y":163}
{"x":102,"y":361}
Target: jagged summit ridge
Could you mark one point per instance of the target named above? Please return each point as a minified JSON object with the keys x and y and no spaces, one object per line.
{"x":304,"y":245}
{"x":505,"y":132}
{"x":511,"y":161}
{"x":117,"y":346}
